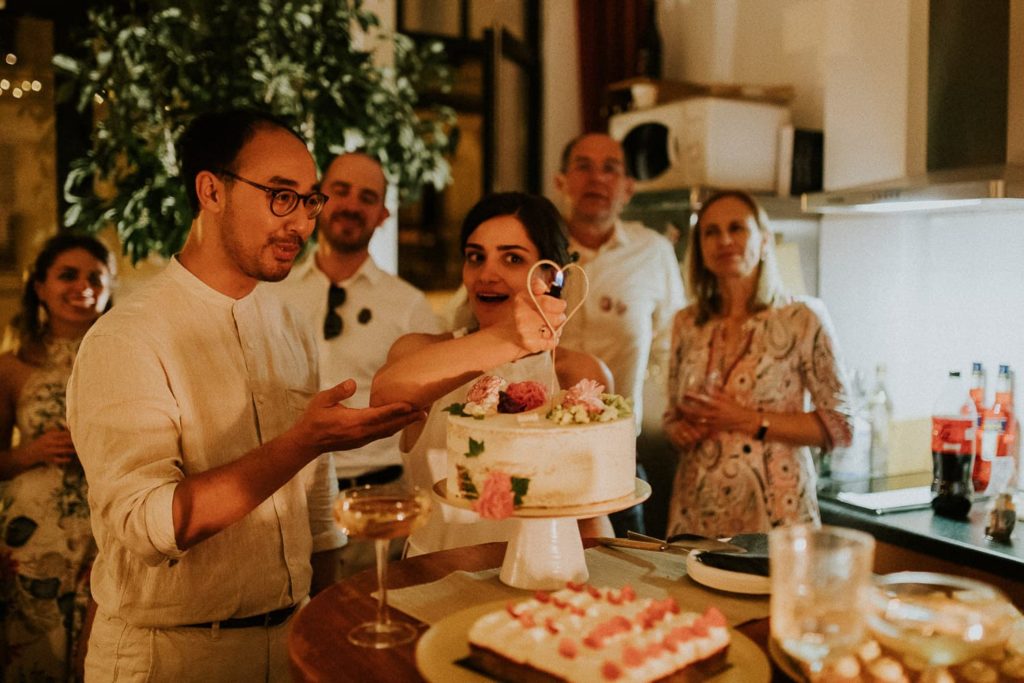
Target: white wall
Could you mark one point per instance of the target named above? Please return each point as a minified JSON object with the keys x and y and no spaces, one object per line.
{"x":384,"y":245}
{"x":925,"y":294}
{"x":865,"y":87}
{"x":765,"y":42}
{"x":562,"y":119}
{"x":850,"y":62}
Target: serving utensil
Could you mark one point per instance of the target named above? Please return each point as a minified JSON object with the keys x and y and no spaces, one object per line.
{"x":677,"y":545}
{"x":692,"y":542}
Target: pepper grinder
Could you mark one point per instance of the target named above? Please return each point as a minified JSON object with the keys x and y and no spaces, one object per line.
{"x":1001,"y":518}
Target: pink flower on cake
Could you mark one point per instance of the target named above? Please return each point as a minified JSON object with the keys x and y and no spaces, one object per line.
{"x":482,"y":398}
{"x":497,"y":500}
{"x":586,"y":393}
{"x":484,"y":388}
{"x":522,"y":396}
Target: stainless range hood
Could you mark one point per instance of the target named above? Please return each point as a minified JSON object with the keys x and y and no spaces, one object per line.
{"x":982,"y":187}
{"x":975,"y":118}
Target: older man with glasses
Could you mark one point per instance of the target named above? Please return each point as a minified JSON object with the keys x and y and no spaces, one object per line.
{"x":363,"y":310}
{"x":197,"y":415}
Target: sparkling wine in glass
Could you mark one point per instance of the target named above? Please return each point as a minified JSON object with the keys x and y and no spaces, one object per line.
{"x":381,"y":513}
{"x":820,"y":577}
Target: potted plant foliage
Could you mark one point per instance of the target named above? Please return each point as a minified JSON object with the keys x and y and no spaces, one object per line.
{"x":147,"y":68}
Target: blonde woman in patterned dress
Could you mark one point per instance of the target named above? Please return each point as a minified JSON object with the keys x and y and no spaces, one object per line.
{"x":46,"y":544}
{"x":746,"y":357}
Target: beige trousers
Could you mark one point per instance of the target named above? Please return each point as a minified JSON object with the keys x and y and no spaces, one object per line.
{"x":120,"y":652}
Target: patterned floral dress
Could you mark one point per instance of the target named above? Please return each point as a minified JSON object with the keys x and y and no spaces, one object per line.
{"x":46,"y":543}
{"x":731,"y":483}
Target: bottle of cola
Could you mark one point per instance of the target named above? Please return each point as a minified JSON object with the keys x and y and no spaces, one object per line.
{"x":954,"y":421}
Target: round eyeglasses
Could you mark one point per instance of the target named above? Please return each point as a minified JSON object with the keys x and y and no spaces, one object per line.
{"x":283,"y":200}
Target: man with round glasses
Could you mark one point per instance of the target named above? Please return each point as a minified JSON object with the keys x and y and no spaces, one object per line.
{"x":358,"y":311}
{"x":197,"y":417}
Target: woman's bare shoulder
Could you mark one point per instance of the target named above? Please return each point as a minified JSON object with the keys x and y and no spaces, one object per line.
{"x":572,"y":366}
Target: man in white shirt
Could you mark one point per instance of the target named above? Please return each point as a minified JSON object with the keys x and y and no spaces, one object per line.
{"x":635,"y":282}
{"x":357,"y":312}
{"x":195,"y":413}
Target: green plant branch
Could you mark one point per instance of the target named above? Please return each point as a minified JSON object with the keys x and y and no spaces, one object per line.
{"x":148,"y":71}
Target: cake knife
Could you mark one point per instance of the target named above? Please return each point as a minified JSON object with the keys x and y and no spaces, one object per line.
{"x":680,"y":547}
{"x":688,"y":542}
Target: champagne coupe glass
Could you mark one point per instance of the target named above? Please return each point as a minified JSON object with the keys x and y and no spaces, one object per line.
{"x":820,"y":576}
{"x":692,"y":381}
{"x":381,"y":513}
{"x":936,"y":619}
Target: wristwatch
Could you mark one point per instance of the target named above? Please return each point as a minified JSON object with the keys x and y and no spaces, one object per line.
{"x":762,"y":429}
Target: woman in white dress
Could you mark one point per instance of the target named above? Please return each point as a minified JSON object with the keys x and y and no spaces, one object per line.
{"x":501,"y":238}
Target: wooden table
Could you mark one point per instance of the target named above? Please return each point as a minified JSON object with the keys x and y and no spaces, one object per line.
{"x":319,"y":651}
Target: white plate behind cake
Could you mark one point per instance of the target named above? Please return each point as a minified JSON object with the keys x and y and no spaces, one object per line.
{"x":447,"y":641}
{"x":725,"y":580}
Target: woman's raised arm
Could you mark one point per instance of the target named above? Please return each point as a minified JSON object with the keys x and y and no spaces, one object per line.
{"x":422,"y":368}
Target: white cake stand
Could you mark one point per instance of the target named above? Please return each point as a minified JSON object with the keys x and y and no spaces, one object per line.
{"x":546,"y":550}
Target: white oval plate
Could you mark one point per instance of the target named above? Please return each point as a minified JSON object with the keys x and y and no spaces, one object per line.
{"x":725,"y":580}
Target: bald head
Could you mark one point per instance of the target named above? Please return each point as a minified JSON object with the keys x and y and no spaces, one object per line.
{"x":356,"y":189}
{"x":593,"y":181}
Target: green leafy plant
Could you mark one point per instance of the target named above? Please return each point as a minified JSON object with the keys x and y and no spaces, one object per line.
{"x":148,"y":71}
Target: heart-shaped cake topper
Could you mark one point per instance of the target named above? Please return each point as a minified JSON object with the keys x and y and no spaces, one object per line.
{"x":560,"y":272}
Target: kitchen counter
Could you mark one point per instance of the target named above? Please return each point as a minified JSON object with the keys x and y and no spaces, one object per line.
{"x":920,"y":539}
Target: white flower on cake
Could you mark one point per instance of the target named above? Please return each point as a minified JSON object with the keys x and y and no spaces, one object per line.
{"x":586,"y":402}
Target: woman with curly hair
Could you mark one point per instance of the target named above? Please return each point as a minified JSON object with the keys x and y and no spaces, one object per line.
{"x":46,"y":544}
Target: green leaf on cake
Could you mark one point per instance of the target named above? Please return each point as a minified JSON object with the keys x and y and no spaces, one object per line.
{"x":519,"y":488}
{"x":475,"y":448}
{"x":466,"y":485}
{"x":456,"y":409}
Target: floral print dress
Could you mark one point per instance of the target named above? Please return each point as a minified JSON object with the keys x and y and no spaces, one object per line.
{"x":46,"y":543}
{"x":731,"y":483}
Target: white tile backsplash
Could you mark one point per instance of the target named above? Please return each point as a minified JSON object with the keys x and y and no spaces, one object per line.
{"x":925,"y":294}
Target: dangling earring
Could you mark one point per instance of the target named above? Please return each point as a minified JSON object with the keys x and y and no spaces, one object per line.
{"x":44,"y":316}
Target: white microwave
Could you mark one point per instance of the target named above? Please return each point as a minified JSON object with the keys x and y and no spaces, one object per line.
{"x":708,"y":141}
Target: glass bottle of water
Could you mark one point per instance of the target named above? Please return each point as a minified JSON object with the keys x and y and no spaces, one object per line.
{"x":880,"y":415}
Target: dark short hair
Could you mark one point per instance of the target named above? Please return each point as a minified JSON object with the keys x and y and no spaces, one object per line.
{"x":214,"y":139}
{"x":538,"y":215}
{"x":29,"y":323}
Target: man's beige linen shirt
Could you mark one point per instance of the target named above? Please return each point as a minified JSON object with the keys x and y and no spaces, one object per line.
{"x":176,"y":380}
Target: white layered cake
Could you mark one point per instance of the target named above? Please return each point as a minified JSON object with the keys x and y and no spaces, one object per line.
{"x":549,"y":456}
{"x":587,"y":634}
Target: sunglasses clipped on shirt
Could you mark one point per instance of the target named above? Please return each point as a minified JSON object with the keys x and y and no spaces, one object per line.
{"x":333,"y":323}
{"x":284,"y":200}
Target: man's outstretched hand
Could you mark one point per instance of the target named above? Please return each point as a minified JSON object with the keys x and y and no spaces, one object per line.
{"x":329,"y":426}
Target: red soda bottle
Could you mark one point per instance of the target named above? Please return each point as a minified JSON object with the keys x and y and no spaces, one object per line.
{"x":994,"y":465}
{"x":978,"y":389}
{"x":954,"y":421}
